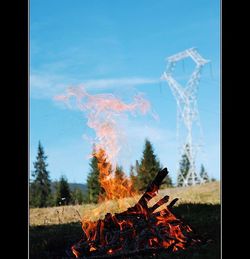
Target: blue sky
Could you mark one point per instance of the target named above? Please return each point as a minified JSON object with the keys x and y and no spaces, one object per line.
{"x":120,"y":47}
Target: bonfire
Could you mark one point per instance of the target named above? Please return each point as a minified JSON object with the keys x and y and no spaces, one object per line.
{"x":138,"y":230}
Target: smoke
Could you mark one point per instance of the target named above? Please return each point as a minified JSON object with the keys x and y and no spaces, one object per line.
{"x":103,"y":112}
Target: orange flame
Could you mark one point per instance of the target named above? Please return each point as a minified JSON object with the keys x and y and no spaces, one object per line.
{"x":104,"y":111}
{"x":114,"y":187}
{"x":75,"y":252}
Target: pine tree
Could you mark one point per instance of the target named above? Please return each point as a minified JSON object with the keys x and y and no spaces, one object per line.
{"x":63,"y":194}
{"x":204,"y":175}
{"x":133,"y":177}
{"x":33,"y":195}
{"x":137,"y":167}
{"x":184,"y":168}
{"x":148,"y":167}
{"x":77,"y":196}
{"x":93,"y":184}
{"x":40,"y":187}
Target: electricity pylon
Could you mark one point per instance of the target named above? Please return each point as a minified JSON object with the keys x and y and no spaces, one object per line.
{"x":187,"y":109}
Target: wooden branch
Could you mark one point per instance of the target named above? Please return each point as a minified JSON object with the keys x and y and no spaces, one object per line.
{"x":172,"y":203}
{"x":152,"y":188}
{"x":159,"y":203}
{"x":138,"y":230}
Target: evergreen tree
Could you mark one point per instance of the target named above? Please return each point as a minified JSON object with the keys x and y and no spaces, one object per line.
{"x":40,"y":187}
{"x":33,"y":195}
{"x":167,"y":182}
{"x":93,"y":184}
{"x":204,"y":175}
{"x":77,"y":196}
{"x":63,"y":194}
{"x":148,"y":167}
{"x":184,"y":168}
{"x":133,"y":177}
{"x":137,"y":167}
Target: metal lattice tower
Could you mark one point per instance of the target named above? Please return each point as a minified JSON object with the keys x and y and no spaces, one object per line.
{"x":187,"y":109}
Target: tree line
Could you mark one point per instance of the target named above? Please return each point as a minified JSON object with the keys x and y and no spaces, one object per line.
{"x":43,"y":194}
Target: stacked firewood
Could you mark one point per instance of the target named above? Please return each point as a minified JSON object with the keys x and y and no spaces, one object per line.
{"x":138,"y":230}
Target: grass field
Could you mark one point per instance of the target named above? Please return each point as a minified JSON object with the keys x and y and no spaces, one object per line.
{"x":54,"y":230}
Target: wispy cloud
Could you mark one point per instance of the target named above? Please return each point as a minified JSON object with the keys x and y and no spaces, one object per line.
{"x":116,"y":82}
{"x":44,"y":86}
{"x":48,"y":85}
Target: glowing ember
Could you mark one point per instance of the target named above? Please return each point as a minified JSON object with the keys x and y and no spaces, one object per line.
{"x":137,"y":230}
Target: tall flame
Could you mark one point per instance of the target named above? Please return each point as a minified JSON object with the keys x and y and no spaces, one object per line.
{"x":114,"y":187}
{"x":103,"y":112}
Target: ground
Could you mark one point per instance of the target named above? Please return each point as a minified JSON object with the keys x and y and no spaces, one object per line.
{"x":54,"y":230}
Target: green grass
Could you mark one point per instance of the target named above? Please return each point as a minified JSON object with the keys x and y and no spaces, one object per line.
{"x":52,"y":241}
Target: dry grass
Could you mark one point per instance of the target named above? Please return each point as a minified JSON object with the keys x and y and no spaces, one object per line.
{"x":206,"y":193}
{"x":202,"y":194}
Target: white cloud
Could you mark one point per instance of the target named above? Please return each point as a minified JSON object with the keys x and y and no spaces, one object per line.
{"x":44,"y":85}
{"x":116,"y":82}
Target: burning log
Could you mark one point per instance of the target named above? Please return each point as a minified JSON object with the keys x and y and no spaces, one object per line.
{"x":137,"y":230}
{"x":153,"y":187}
{"x":159,"y":203}
{"x":172,"y":203}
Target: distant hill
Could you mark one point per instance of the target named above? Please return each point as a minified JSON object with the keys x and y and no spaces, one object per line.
{"x":82,"y":187}
{"x":72,"y":186}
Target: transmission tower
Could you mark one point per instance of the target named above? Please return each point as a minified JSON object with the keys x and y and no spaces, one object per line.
{"x":187,"y":109}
